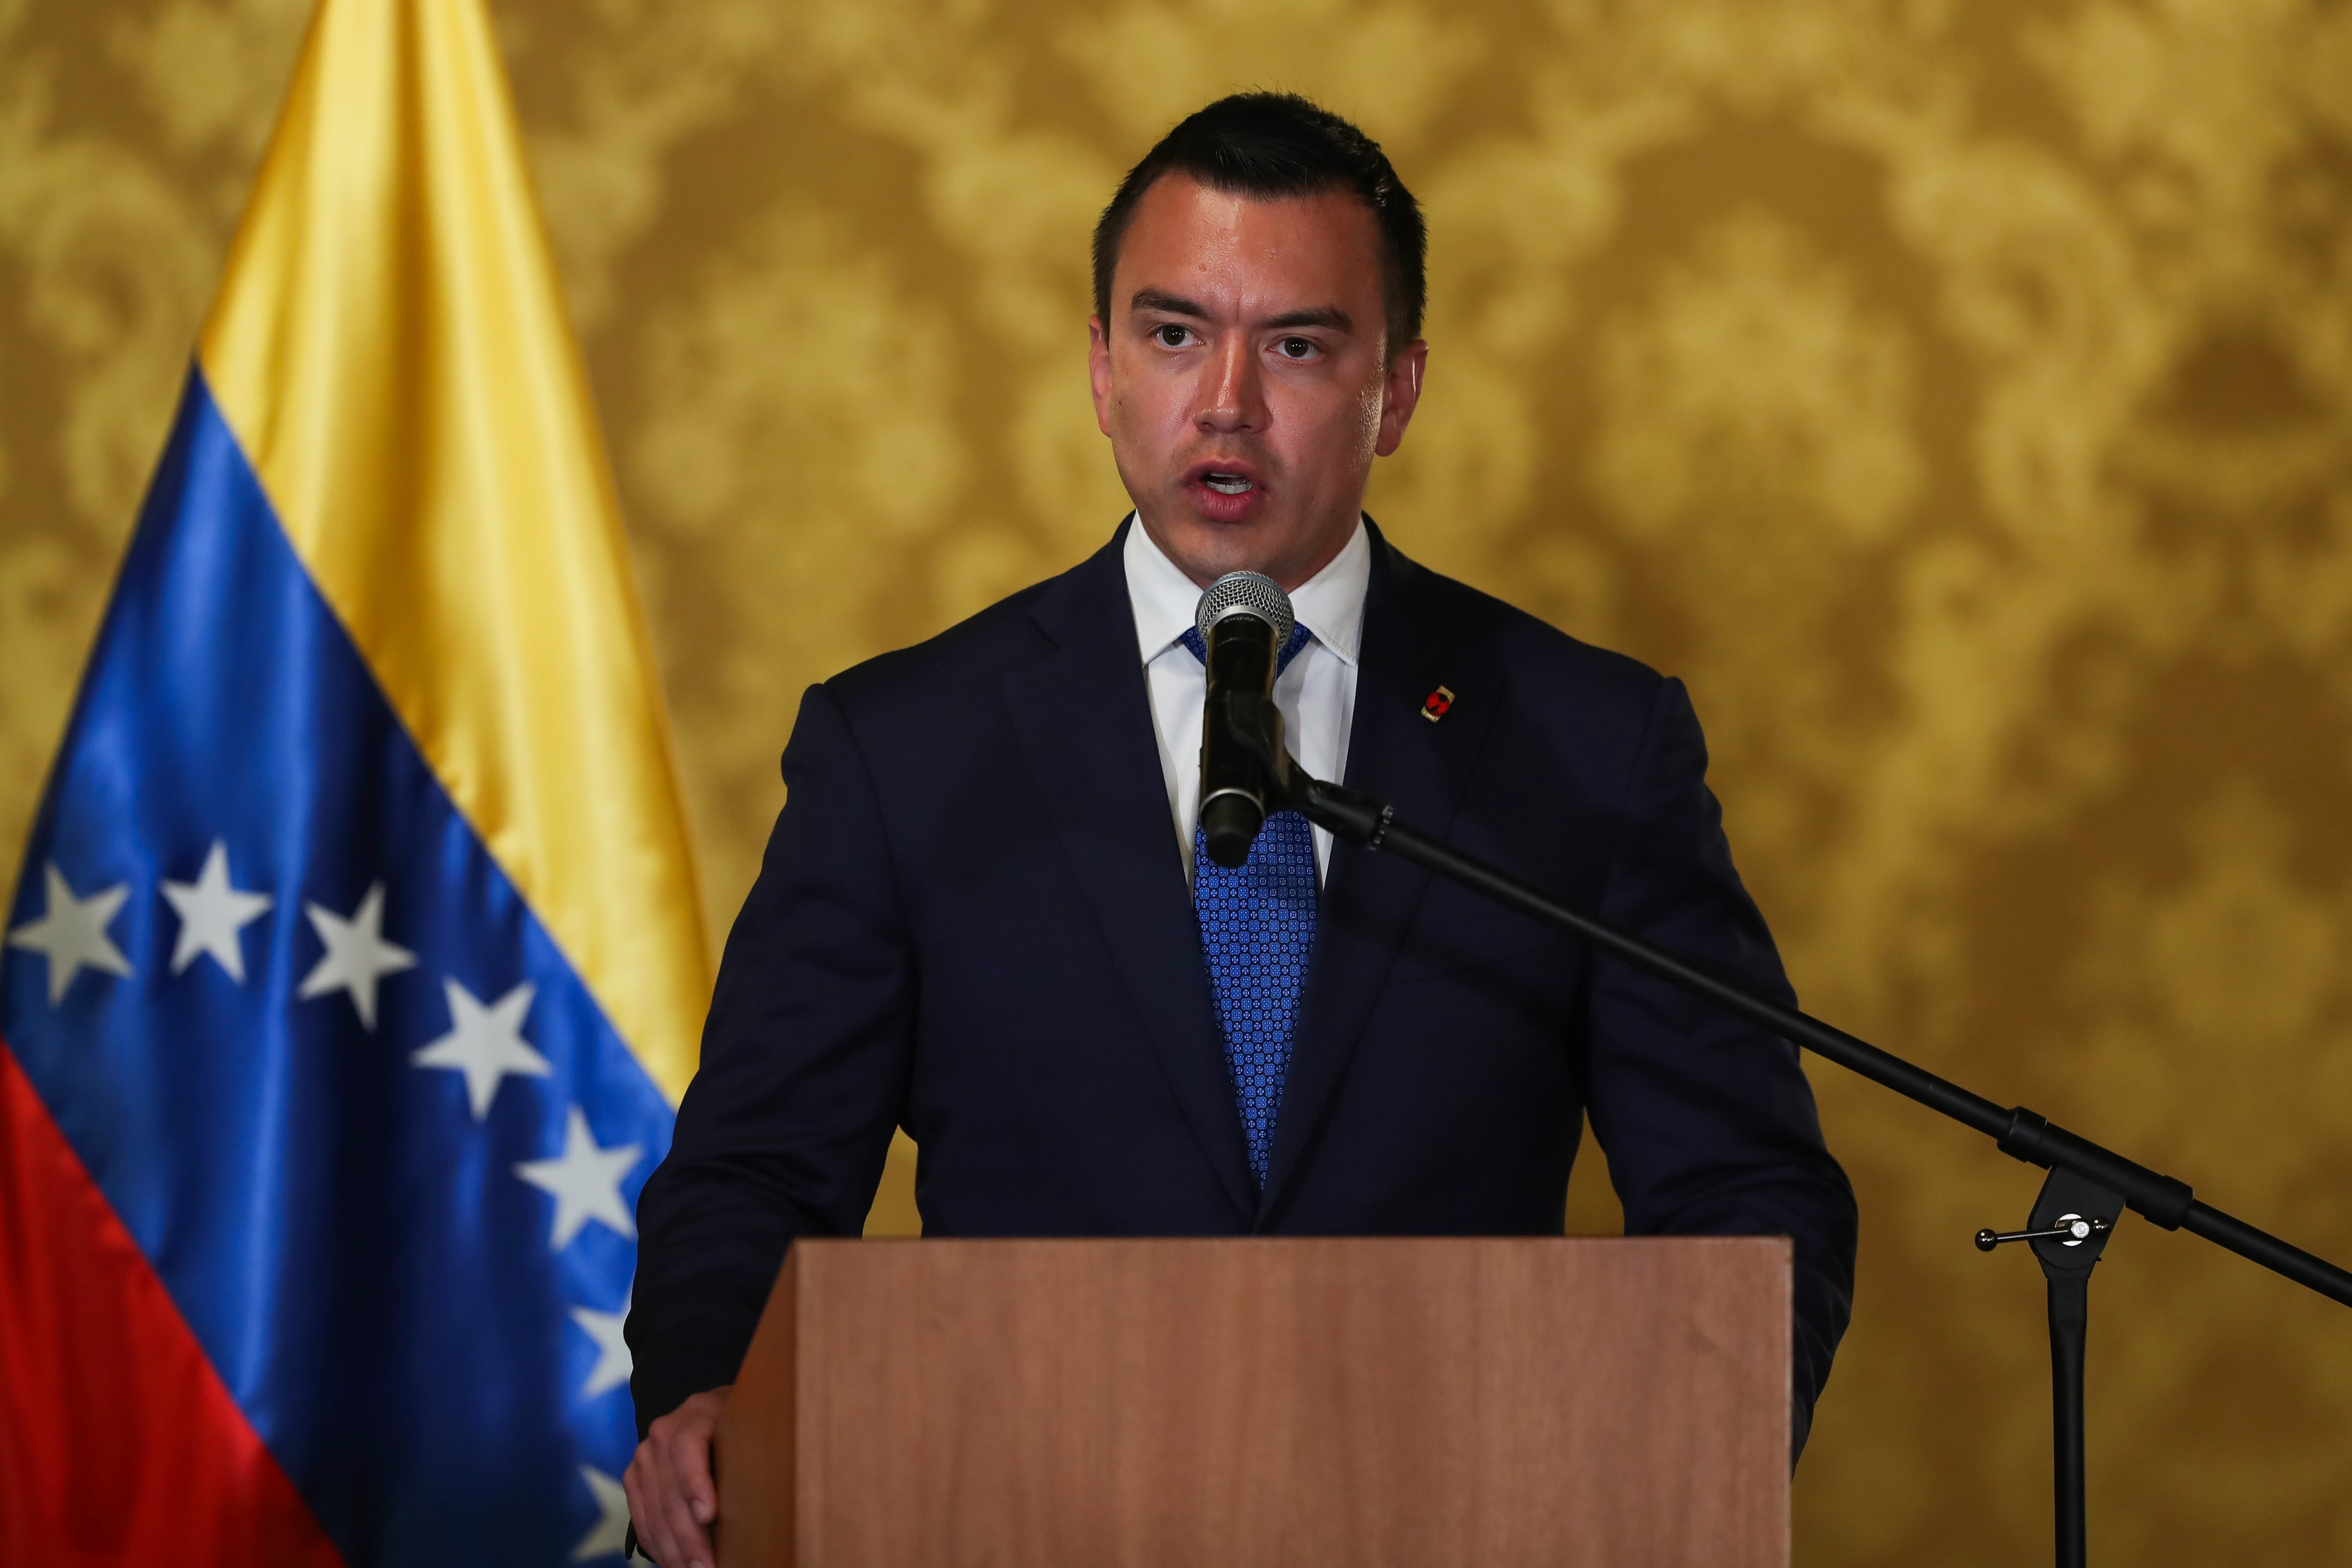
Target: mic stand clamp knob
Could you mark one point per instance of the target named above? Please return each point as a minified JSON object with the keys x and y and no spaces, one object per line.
{"x":2071,"y":1230}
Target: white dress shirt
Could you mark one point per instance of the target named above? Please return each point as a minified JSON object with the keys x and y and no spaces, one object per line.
{"x":1316,"y":694}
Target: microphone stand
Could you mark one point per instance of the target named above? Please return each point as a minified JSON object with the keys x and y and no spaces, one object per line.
{"x":2089,"y":1185}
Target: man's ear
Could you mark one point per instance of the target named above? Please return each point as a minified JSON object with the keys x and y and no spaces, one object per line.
{"x":1098,"y":369}
{"x":1398,"y":396}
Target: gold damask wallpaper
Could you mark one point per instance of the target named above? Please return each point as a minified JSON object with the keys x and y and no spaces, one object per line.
{"x":1958,"y":394}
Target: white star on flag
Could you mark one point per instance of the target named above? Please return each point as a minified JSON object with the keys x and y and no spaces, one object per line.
{"x":611,"y":1536}
{"x":486,"y":1043}
{"x":586,"y":1182}
{"x":614,"y":1362}
{"x":357,"y":957}
{"x":71,"y":933}
{"x":213,"y":914}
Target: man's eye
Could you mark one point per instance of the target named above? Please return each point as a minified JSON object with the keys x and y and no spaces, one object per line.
{"x":1171,"y":334}
{"x":1296,"y":347}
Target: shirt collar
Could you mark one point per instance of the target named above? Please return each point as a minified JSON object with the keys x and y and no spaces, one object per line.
{"x":1331,"y":602}
{"x":1330,"y":605}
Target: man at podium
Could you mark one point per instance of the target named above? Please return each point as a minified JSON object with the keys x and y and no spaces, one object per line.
{"x":984,"y":915}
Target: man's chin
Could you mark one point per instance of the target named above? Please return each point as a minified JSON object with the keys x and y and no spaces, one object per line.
{"x":1205,"y":549}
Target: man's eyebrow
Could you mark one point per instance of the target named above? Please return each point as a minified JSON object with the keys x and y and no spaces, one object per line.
{"x":1327,"y":316}
{"x":1330,"y":316}
{"x":1167,"y":304}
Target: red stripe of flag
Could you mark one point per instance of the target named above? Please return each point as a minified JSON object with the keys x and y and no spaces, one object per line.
{"x":120,"y":1446}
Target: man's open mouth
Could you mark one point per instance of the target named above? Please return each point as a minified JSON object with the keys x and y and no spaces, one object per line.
{"x":1228,"y":484}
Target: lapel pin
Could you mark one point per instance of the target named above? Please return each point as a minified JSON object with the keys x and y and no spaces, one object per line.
{"x":1439,"y":701}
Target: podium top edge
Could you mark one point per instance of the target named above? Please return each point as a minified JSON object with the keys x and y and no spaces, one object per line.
{"x":1777,"y":1245}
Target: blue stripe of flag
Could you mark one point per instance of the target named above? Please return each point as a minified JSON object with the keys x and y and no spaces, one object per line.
{"x":371,"y":1271}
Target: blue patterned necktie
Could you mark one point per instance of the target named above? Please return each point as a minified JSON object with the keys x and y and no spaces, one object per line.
{"x":1257,"y":924}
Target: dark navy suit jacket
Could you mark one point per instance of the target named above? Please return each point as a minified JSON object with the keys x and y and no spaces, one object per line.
{"x":972,"y":921}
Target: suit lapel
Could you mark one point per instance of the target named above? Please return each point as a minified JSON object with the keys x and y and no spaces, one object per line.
{"x":1368,"y":899}
{"x":1084,"y":719}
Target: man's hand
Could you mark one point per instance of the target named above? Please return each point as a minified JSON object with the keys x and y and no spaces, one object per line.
{"x":671,"y":1497}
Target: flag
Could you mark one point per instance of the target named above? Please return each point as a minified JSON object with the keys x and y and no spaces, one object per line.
{"x":355,"y":963}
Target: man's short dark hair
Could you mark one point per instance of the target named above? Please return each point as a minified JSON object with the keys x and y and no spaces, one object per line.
{"x":1275,"y":145}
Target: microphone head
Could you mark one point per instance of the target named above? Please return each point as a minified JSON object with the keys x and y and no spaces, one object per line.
{"x":1245,"y":594}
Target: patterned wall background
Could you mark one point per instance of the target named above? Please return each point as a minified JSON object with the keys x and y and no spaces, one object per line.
{"x":1957,"y":392}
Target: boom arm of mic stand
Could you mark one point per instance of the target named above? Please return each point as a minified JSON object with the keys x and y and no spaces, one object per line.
{"x":2021,"y":1133}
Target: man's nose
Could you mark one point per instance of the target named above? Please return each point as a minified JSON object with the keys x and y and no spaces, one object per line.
{"x":1232,"y":394}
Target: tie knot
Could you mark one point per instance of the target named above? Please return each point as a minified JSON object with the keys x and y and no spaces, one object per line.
{"x":1299,"y":639}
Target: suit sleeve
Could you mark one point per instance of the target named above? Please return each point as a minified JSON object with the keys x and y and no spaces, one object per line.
{"x":1708,"y":1120}
{"x":805,"y":1056}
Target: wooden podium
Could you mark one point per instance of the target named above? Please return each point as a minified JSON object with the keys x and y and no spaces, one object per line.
{"x":1289,"y":1404}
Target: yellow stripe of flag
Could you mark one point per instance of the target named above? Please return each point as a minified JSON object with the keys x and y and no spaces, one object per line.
{"x":390,"y":348}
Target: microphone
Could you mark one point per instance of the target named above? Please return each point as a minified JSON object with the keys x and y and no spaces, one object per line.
{"x":1244,"y":620}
